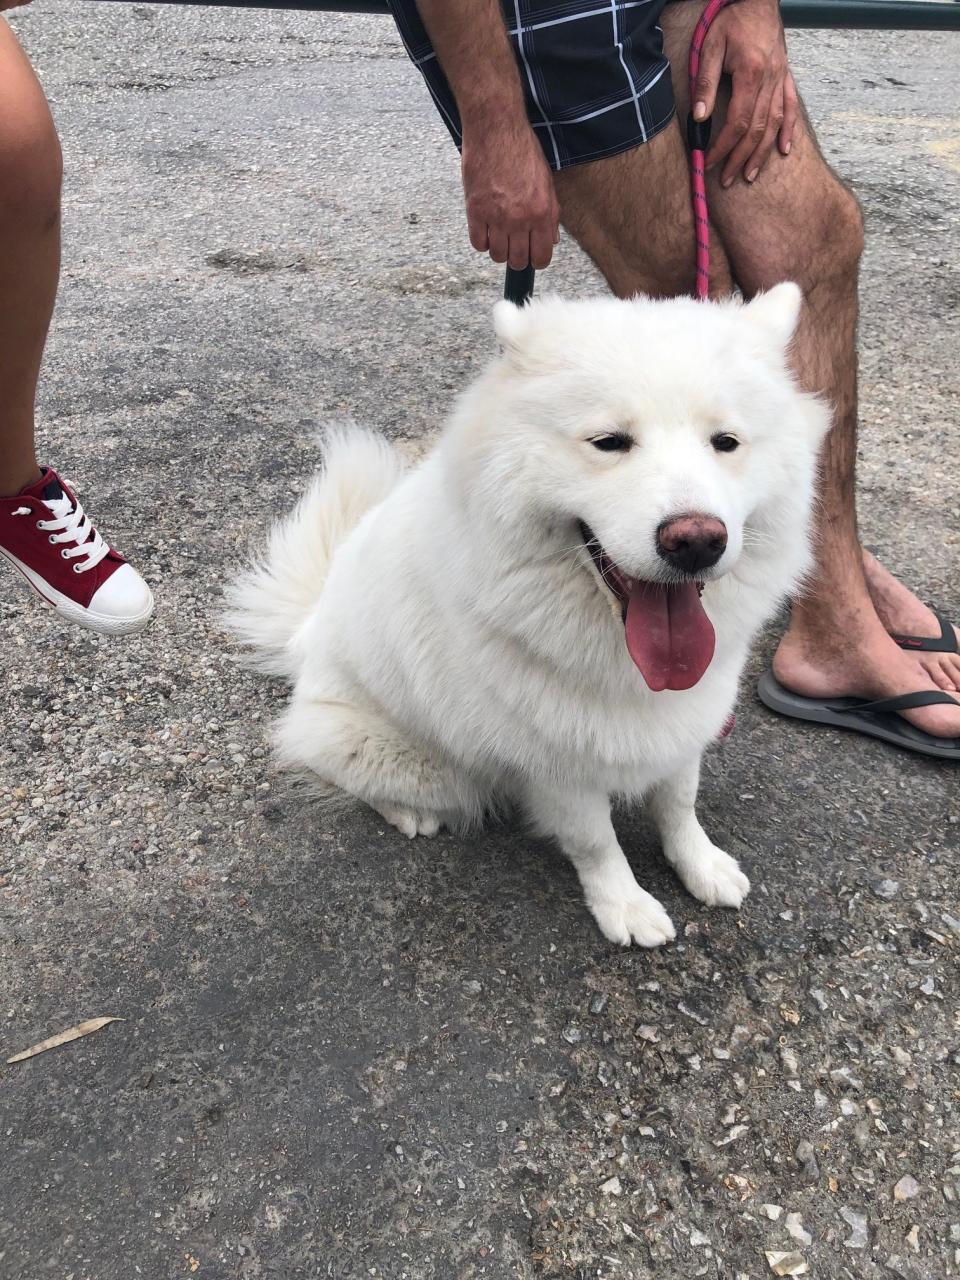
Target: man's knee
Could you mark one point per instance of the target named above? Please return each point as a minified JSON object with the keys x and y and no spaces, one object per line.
{"x":845,"y":230}
{"x":832,"y":242}
{"x":821,"y":247}
{"x":31,"y":170}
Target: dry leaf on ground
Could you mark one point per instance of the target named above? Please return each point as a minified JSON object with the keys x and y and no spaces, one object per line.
{"x":63,"y":1037}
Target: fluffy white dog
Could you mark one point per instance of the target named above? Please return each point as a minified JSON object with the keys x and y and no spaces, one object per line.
{"x":555,"y":607}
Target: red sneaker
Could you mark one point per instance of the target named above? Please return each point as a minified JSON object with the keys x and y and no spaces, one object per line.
{"x":46,"y":535}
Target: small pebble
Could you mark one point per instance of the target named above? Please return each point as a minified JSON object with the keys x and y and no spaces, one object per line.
{"x":731,"y":1135}
{"x":737,"y":1182}
{"x":857,"y":1222}
{"x":906,"y":1188}
{"x":885,"y":888}
{"x":793,"y":1225}
{"x":693,"y":1014}
{"x":786,"y":1264}
{"x":843,"y":1076}
{"x":807,"y":1160}
{"x":788,"y":1058}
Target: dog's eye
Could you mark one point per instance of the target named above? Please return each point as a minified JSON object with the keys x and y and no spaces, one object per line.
{"x":616,"y":442}
{"x":724,"y":443}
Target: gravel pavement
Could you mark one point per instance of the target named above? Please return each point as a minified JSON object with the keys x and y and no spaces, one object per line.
{"x":348,"y":1055}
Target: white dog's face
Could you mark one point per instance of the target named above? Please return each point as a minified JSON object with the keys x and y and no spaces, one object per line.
{"x":665,"y":433}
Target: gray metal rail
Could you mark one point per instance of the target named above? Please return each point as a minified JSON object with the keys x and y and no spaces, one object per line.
{"x":882,"y":15}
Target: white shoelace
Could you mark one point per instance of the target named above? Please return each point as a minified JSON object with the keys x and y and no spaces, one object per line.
{"x":71,"y":525}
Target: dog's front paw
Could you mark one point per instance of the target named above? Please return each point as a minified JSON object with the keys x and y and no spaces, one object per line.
{"x":634,"y":917}
{"x":411,"y":822}
{"x":713,"y":876}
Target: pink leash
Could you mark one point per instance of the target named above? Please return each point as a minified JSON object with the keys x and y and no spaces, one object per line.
{"x":698,"y":139}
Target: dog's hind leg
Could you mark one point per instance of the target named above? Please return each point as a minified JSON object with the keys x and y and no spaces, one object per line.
{"x":361,"y":752}
{"x":706,"y":871}
{"x":580,"y":822}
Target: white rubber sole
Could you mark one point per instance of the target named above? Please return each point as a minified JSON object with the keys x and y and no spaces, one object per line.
{"x":70,"y":611}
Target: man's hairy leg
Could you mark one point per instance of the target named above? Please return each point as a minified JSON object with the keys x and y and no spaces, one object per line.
{"x":796,"y":221}
{"x":631,"y":213}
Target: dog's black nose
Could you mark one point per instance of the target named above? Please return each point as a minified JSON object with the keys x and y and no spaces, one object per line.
{"x":692,"y":542}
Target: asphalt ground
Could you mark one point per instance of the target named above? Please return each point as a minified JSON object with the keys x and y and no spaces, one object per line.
{"x":348,"y":1055}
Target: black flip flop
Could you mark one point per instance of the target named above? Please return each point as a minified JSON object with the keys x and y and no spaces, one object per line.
{"x":945,"y":643}
{"x":877,"y":719}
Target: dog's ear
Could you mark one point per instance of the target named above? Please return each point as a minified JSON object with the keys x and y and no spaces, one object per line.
{"x":511,"y":325}
{"x":776,"y":312}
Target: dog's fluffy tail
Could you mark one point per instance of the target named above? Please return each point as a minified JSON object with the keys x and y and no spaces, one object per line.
{"x":270,"y":601}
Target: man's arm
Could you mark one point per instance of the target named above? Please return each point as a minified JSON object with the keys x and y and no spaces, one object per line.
{"x":512,"y":210}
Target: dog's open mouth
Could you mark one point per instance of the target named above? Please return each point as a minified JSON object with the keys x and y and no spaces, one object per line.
{"x":668,"y":634}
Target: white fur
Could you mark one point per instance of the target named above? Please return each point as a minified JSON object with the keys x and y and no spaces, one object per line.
{"x":448,"y":640}
{"x":273,"y":598}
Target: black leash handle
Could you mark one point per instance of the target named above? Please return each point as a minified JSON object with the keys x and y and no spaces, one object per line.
{"x":518,"y":285}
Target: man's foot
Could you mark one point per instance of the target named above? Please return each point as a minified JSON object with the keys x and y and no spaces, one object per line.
{"x":903,"y":614}
{"x":46,"y":535}
{"x":852,"y":656}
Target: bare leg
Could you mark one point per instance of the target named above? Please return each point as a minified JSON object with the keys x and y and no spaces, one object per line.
{"x":580,"y":822}
{"x":30,"y":170}
{"x":836,"y":643}
{"x":706,"y":871}
{"x":631,"y":213}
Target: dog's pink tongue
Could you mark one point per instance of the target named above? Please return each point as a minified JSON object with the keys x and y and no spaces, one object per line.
{"x":669,"y":636}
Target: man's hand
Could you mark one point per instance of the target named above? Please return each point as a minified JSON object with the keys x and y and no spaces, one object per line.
{"x":746,"y":42}
{"x":512,"y":210}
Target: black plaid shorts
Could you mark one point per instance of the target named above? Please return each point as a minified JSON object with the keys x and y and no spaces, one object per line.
{"x":594,"y":74}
